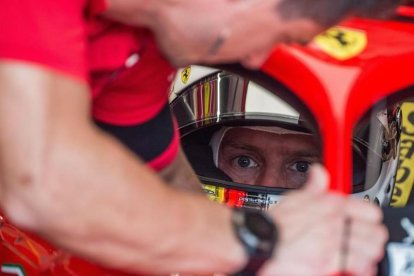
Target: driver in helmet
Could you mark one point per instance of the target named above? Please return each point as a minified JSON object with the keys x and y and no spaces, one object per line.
{"x":266,"y":156}
{"x":248,"y":147}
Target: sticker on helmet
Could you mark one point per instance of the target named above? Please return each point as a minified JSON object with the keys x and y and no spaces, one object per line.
{"x":342,"y":43}
{"x":214,"y":193}
{"x":238,"y":198}
{"x":185,"y":74}
{"x":402,"y":193}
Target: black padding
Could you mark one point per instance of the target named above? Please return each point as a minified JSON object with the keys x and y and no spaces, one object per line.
{"x":147,"y":140}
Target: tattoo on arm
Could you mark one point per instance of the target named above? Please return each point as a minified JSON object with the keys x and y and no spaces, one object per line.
{"x":218,"y":43}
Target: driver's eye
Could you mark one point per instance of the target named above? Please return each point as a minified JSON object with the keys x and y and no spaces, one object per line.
{"x":245,"y":162}
{"x":301,"y":166}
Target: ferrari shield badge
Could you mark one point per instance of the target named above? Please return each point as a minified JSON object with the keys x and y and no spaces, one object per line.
{"x":185,"y":74}
{"x":342,"y":43}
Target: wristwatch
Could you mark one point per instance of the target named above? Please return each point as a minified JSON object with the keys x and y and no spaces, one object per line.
{"x":258,"y":234}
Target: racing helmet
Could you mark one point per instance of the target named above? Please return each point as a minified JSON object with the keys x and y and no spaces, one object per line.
{"x":215,"y":103}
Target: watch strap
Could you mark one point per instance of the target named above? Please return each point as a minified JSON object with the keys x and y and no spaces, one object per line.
{"x":252,"y":267}
{"x":258,"y":234}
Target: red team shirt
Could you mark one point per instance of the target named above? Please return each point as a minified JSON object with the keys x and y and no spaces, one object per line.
{"x":128,"y":77}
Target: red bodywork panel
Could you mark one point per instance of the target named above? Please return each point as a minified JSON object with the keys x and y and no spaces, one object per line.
{"x":22,"y":253}
{"x":353,"y":85}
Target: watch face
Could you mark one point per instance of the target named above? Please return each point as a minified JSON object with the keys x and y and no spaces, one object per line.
{"x":260,"y":225}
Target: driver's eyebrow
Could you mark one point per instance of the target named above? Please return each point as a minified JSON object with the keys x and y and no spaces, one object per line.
{"x":241,"y":146}
{"x":313,"y":153}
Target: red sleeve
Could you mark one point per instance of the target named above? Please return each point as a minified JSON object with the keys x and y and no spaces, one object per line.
{"x":47,"y":32}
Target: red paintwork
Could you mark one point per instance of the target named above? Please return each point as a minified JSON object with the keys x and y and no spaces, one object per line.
{"x":406,"y":10}
{"x":37,"y":257}
{"x":339,"y":92}
{"x":347,"y":88}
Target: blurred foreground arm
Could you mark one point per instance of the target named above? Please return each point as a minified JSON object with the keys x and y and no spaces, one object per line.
{"x":79,"y":187}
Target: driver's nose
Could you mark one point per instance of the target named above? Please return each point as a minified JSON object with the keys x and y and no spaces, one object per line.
{"x":271,"y":178}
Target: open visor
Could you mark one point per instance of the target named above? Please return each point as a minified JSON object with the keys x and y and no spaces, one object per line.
{"x":267,"y":145}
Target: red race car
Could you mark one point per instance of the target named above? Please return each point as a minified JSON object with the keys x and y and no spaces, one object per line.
{"x":346,"y":76}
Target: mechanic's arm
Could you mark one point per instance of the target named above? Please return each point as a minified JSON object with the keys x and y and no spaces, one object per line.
{"x":179,"y":174}
{"x":79,"y":187}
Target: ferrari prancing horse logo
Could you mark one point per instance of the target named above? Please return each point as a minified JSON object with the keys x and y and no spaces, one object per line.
{"x":342,"y":43}
{"x":185,"y":74}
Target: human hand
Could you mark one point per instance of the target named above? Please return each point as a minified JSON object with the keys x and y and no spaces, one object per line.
{"x":314,"y":238}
